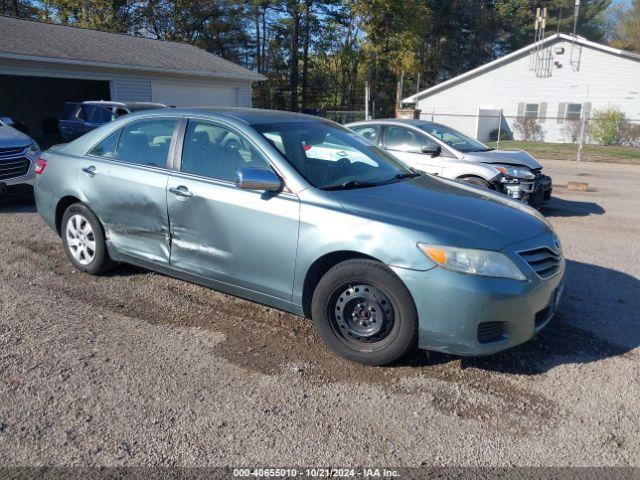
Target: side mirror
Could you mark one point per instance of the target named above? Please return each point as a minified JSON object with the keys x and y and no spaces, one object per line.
{"x":8,"y":121}
{"x":434,"y":151}
{"x":258,"y":179}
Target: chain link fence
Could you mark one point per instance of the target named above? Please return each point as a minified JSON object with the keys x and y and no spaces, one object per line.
{"x":596,"y":137}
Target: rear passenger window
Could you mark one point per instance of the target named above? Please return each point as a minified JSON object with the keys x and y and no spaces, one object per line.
{"x":146,"y":142}
{"x":97,"y":114}
{"x":370,"y":132}
{"x":107,"y":147}
{"x":213,"y":151}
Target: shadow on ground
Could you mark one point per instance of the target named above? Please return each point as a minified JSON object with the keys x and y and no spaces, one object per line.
{"x":18,"y":205}
{"x":598,"y":319}
{"x":558,"y":207}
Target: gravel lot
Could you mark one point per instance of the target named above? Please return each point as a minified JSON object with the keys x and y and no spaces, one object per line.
{"x":140,"y":369}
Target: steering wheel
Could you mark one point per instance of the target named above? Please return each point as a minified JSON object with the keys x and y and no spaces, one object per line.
{"x":340,"y":170}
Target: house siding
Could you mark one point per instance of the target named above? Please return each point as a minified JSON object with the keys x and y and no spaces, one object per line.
{"x":598,"y":80}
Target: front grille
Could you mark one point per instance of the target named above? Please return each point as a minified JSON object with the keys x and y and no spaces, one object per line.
{"x":16,"y":167}
{"x":490,"y":332}
{"x":544,"y":261}
{"x":10,"y":151}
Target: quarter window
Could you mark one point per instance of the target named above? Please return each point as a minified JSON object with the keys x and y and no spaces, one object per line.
{"x":574,"y":111}
{"x":405,"y":140}
{"x":146,"y":142}
{"x":213,"y":151}
{"x":107,"y":147}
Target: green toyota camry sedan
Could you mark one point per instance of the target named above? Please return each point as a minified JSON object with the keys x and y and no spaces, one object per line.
{"x":301,"y":214}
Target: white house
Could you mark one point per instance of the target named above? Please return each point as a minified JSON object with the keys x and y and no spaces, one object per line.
{"x":557,"y":82}
{"x":43,"y":65}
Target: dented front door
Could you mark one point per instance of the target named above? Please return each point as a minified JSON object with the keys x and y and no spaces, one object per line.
{"x":244,"y":238}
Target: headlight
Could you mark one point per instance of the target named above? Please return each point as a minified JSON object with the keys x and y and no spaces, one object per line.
{"x":34,"y":149}
{"x":477,"y":262}
{"x":516,"y":172}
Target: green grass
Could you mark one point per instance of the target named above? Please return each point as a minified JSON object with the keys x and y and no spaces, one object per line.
{"x":568,"y":151}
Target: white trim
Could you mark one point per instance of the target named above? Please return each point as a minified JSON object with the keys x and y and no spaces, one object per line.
{"x":487,"y":66}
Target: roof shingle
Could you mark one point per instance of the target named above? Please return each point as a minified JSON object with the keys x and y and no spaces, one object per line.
{"x":28,"y":38}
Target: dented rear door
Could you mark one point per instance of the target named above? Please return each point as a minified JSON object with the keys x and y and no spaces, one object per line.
{"x":125,"y":181}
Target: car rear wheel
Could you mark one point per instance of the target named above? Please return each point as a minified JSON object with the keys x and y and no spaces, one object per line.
{"x":364,"y":313}
{"x":83,"y":240}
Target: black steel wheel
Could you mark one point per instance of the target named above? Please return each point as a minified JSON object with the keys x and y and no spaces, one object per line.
{"x":363,"y":311}
{"x":361,"y":314}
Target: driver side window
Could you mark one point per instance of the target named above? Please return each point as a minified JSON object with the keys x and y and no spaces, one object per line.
{"x":214,"y":151}
{"x":405,"y":140}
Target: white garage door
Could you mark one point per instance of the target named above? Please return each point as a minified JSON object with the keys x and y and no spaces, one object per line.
{"x":194,"y":95}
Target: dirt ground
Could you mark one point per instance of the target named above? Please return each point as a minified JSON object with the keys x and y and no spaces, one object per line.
{"x":136,"y":368}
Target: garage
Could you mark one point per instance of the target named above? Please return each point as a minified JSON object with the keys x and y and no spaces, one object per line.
{"x":43,"y":65}
{"x":39,"y":116}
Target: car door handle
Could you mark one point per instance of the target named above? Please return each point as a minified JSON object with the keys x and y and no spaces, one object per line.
{"x":91,"y":171}
{"x":181,"y":191}
{"x":341,"y":153}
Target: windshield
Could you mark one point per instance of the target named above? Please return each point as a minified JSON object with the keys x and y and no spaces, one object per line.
{"x":453,"y":138}
{"x":332,"y":157}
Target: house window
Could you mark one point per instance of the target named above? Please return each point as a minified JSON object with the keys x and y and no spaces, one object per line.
{"x":574,"y":111}
{"x":531,"y":110}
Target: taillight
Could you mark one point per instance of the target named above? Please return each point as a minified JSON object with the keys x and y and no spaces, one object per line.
{"x":307,"y":147}
{"x":41,"y":164}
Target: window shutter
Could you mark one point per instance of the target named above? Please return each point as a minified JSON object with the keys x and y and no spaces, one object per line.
{"x":562,"y":112}
{"x":542,"y":112}
{"x":586,"y":110}
{"x":520,"y":110}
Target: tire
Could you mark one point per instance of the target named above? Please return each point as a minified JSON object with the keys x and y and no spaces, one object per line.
{"x":83,"y":240}
{"x":364,"y":313}
{"x":476,"y":181}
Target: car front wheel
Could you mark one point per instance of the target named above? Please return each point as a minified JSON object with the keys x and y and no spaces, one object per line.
{"x":83,"y":240}
{"x":364,"y":313}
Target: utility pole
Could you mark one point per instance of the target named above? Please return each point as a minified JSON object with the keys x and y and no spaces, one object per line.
{"x":367,"y":100}
{"x":576,"y":12}
{"x":583,"y":125}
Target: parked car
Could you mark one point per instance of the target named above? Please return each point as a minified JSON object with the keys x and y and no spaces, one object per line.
{"x":381,"y":257}
{"x":18,"y":154}
{"x":79,"y":118}
{"x":443,"y":151}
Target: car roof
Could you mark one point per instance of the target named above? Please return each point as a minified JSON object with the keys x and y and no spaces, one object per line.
{"x":249,"y":116}
{"x":393,"y":121}
{"x":122,"y":104}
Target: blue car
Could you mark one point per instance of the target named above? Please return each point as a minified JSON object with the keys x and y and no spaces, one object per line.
{"x":79,"y":118}
{"x":301,"y":214}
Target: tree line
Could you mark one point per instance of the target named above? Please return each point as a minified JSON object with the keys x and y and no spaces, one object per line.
{"x":319,"y":54}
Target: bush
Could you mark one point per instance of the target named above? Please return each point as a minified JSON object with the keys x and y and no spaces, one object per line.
{"x":571,"y":130}
{"x":630,"y":134}
{"x":604,"y":125}
{"x":528,"y":130}
{"x":504,"y":135}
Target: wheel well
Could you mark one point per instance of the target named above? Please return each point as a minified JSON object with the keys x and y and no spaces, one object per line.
{"x":63,"y":204}
{"x":321,"y":266}
{"x":462,"y":177}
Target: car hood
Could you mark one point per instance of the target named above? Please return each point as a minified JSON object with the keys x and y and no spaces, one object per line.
{"x":508,"y":157}
{"x":447,"y":212}
{"x":10,"y":137}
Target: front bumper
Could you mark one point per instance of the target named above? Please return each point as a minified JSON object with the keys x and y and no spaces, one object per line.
{"x":472,"y":315}
{"x":534,"y":192}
